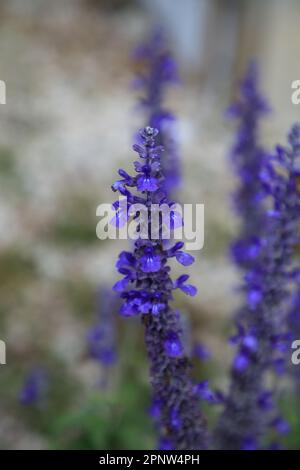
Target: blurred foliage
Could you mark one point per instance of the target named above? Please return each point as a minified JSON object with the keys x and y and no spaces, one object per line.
{"x":114,"y":419}
{"x":108,"y":4}
{"x":16,"y":267}
{"x":9,"y":174}
{"x":81,"y":295}
{"x":290,"y":408}
{"x":76,"y":220}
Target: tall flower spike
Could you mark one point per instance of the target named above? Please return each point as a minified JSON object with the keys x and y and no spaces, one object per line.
{"x":248,"y":163}
{"x":147,"y":291}
{"x":158,"y":70}
{"x":263,"y":333}
{"x":266,"y":257}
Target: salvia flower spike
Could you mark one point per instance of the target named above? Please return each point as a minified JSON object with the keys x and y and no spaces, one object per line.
{"x":157,"y":71}
{"x":265,"y":254}
{"x":146,"y":290}
{"x":248,"y":158}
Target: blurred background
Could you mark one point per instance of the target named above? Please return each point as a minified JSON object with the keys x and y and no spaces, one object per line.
{"x":76,"y":374}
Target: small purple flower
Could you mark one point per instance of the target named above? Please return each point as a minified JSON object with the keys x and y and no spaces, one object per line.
{"x":150,"y":263}
{"x":265,"y":401}
{"x":249,"y":443}
{"x":188,"y":289}
{"x":155,"y":409}
{"x":205,"y":392}
{"x":147,"y":183}
{"x":280,"y":425}
{"x":175,"y":419}
{"x":34,"y":387}
{"x":250,"y":342}
{"x":254,"y":297}
{"x":241,"y":362}
{"x":201,"y":352}
{"x":173,"y":346}
{"x":164,"y":444}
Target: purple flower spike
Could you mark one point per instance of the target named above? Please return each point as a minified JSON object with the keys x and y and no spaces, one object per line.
{"x":158,"y":71}
{"x":268,"y":202}
{"x":146,"y":290}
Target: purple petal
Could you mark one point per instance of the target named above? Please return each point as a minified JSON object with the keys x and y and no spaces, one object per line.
{"x":188,"y":289}
{"x":184,"y":258}
{"x":180,"y":280}
{"x":120,"y":285}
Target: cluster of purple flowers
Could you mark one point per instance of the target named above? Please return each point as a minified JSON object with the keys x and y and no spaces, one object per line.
{"x":270,"y":210}
{"x":146,"y":290}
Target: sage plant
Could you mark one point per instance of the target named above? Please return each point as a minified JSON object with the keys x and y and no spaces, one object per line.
{"x":247,"y":158}
{"x":146,"y":291}
{"x":157,"y":71}
{"x":268,"y":202}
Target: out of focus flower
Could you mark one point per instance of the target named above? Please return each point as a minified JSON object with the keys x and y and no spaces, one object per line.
{"x":269,"y":203}
{"x":157,"y":70}
{"x":34,"y":387}
{"x":101,"y":337}
{"x":201,"y":352}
